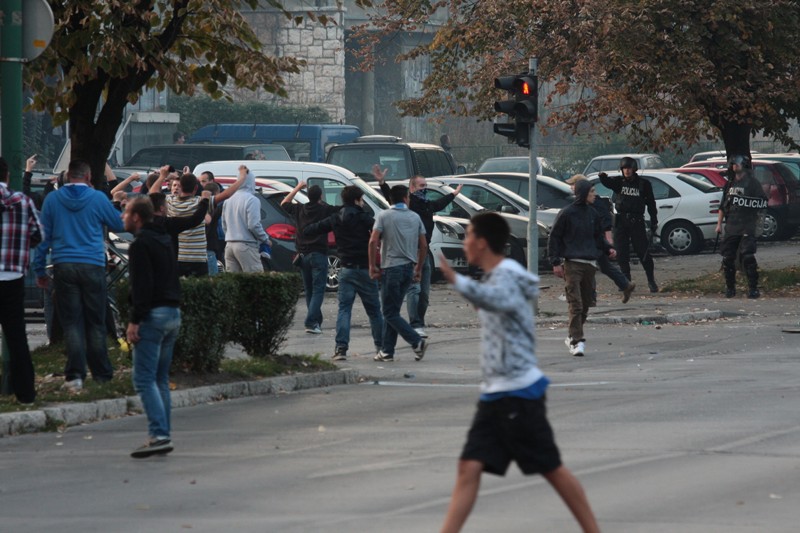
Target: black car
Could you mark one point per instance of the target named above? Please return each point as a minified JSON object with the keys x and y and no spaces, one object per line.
{"x":191,"y":155}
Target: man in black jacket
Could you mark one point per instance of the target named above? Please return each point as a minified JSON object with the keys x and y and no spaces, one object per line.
{"x":576,"y":242}
{"x":155,"y":320}
{"x":632,"y":194}
{"x":313,"y":250}
{"x":352,"y":227}
{"x":418,"y":296}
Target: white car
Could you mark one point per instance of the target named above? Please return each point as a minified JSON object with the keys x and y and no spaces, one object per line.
{"x":610,"y":163}
{"x":687,"y":209}
{"x":447,"y":238}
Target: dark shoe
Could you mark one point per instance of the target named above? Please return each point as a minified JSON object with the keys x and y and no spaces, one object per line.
{"x":383,"y":356}
{"x":626,"y":292}
{"x":340,"y":354}
{"x":653,"y":286}
{"x":753,"y":294}
{"x":730,"y":292}
{"x":419,"y":350}
{"x":152,"y":447}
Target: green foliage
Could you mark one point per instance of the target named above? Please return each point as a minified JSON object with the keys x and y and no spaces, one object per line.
{"x":777,"y":282}
{"x":264,"y":306}
{"x":199,"y":111}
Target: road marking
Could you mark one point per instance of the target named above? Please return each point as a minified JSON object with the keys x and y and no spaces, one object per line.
{"x":472,"y":385}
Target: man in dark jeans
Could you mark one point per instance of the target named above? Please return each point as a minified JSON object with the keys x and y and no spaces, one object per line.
{"x":403,"y":251}
{"x":352,"y":227}
{"x":19,"y":230}
{"x":418,"y":296}
{"x":314,"y":250}
{"x":74,"y":219}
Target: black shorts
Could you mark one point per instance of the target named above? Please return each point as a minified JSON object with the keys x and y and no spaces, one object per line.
{"x":512,"y":429}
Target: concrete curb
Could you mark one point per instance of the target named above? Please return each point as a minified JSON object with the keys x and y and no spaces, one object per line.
{"x":74,"y":414}
{"x":663,"y":318}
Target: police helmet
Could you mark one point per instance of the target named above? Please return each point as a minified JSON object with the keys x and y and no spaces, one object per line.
{"x":743,"y":161}
{"x":628,"y":162}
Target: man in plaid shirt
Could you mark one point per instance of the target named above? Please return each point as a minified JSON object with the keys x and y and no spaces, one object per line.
{"x":19,"y":230}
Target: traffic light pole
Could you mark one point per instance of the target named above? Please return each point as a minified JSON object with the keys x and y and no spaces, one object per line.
{"x":533,"y":226}
{"x":11,"y":113}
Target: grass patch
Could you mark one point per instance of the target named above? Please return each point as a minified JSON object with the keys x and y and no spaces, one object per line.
{"x":778,"y":282}
{"x":49,"y":362}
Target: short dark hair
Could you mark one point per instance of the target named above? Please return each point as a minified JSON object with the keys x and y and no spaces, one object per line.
{"x":209,"y":173}
{"x":142,"y":206}
{"x":398,"y":194}
{"x":157,"y":199}
{"x":177,"y":135}
{"x":212,"y":186}
{"x":493,"y":228}
{"x":3,"y":169}
{"x":78,"y":170}
{"x":188,"y":183}
{"x":151,"y":179}
{"x":314,"y":194}
{"x":351,"y":194}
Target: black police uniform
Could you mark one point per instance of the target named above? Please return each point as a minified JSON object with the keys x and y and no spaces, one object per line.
{"x":743,"y":200}
{"x":631,"y":197}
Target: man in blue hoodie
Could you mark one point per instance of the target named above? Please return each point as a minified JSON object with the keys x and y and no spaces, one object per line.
{"x":74,"y":218}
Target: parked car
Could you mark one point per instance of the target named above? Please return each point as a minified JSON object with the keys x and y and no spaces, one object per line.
{"x":712,"y":176}
{"x":782,"y":188}
{"x":687,"y":209}
{"x":518,"y":164}
{"x":713,"y":154}
{"x":403,"y":159}
{"x":447,"y":234}
{"x":550,"y":192}
{"x":610,"y":163}
{"x":190,"y":155}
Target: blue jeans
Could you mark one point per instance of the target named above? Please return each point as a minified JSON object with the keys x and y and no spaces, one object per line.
{"x":213,"y":267}
{"x":418,"y":296}
{"x":152,"y":356}
{"x":315,"y":276}
{"x":81,"y":301}
{"x":612,"y":271}
{"x":394,"y":286}
{"x":354,"y":281}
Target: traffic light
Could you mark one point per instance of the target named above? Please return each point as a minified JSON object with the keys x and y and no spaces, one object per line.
{"x":521,"y":108}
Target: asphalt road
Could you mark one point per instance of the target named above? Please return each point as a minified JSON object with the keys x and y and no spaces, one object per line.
{"x":676,"y":428}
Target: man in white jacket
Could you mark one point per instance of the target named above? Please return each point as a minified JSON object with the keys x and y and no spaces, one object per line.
{"x":241,"y":221}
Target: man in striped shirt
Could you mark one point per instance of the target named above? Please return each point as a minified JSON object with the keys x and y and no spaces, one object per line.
{"x":192,"y":256}
{"x":19,"y":229}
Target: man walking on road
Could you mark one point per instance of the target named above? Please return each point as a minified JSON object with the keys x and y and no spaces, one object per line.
{"x":155,"y":319}
{"x":743,"y":200}
{"x":511,"y":422}
{"x":632,"y":195}
{"x":352,"y":227}
{"x":418,"y":297}
{"x":576,"y":242}
{"x":403,"y":253}
{"x":241,"y":222}
{"x":19,"y":230}
{"x":75,"y":218}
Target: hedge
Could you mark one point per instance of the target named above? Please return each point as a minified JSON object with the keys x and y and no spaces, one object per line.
{"x":255,"y":310}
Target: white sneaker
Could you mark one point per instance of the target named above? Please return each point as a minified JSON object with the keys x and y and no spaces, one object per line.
{"x":578,"y":349}
{"x":75,"y":385}
{"x":315,"y":330}
{"x":421,"y":333}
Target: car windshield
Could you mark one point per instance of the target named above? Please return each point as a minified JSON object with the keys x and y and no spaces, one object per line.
{"x":700,"y":185}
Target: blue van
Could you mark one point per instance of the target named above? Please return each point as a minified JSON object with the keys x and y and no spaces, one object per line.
{"x":304,"y":142}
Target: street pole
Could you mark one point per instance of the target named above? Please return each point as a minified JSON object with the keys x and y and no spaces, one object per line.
{"x":533,"y":226}
{"x":11,"y":113}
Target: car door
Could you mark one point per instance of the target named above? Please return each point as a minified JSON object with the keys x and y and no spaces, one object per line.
{"x":667,"y":199}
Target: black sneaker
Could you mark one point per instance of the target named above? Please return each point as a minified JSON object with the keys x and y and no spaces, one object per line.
{"x":652,"y":285}
{"x":419,"y":350}
{"x":627,"y":291}
{"x":730,"y":292}
{"x":383,"y":356}
{"x":753,"y":294}
{"x":152,"y":447}
{"x":340,"y":354}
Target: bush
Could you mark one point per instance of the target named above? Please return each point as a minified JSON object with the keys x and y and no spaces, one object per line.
{"x":263,"y":310}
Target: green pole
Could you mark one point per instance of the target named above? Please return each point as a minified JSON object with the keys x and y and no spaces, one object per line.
{"x":11,"y":113}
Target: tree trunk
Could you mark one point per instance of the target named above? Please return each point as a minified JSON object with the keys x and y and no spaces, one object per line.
{"x":736,"y":137}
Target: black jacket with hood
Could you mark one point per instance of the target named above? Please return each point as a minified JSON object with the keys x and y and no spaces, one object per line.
{"x":304,"y":215}
{"x":352,"y":227}
{"x":577,"y":232}
{"x":153,"y":269}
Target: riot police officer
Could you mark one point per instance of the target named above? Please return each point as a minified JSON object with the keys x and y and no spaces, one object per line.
{"x":743,"y":201}
{"x":632,"y":194}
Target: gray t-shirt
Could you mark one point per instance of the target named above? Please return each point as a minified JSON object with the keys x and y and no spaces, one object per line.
{"x":400,"y":229}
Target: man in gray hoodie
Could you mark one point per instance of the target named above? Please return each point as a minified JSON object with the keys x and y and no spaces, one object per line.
{"x":241,"y":221}
{"x":511,"y":422}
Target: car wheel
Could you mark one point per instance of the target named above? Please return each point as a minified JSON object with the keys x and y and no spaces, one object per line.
{"x":516,"y":252}
{"x":334,"y":267}
{"x":681,"y":238}
{"x":773,"y":226}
